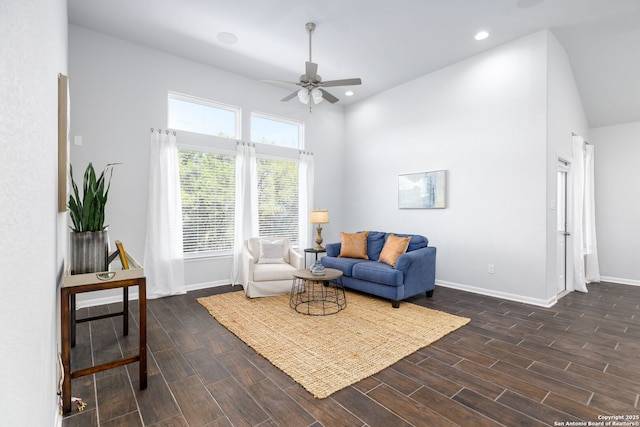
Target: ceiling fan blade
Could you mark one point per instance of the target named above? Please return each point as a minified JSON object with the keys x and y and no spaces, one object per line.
{"x":279,"y":81}
{"x":326,"y":95}
{"x":343,"y":82}
{"x":290,"y":96}
{"x":311,"y":71}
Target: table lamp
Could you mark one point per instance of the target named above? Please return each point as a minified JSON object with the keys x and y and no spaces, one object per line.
{"x":318,"y":217}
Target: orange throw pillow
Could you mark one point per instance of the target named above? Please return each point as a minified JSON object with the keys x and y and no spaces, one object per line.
{"x":354,"y":245}
{"x":393,"y":248}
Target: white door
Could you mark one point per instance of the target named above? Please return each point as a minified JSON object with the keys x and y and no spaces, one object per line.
{"x":562,"y":229}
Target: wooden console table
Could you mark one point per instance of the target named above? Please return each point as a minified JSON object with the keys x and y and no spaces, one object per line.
{"x":73,"y":285}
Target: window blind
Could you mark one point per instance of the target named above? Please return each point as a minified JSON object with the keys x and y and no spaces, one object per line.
{"x":207,"y":187}
{"x":278,"y":199}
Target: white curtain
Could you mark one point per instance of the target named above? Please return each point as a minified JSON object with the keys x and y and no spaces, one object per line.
{"x":245,"y":164}
{"x":254,"y":228}
{"x":592,"y":267}
{"x":306,"y":186}
{"x":585,"y":253}
{"x":163,"y":257}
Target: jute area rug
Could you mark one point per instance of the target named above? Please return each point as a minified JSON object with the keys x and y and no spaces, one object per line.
{"x":326,"y":354}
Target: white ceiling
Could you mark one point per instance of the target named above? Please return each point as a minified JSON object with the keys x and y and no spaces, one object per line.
{"x":385,"y":42}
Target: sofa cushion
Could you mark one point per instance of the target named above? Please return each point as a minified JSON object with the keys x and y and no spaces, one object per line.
{"x":354,"y":245}
{"x":377,"y":272}
{"x":416,"y":242}
{"x":393,"y":248}
{"x":343,"y":264}
{"x":270,"y":272}
{"x":375,"y":242}
{"x":333,"y":249}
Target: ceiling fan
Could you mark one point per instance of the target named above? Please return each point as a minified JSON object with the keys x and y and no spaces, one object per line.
{"x":311,"y":83}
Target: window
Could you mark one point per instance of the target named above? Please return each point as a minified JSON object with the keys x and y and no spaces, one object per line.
{"x":208,"y":173}
{"x":207,"y":186}
{"x":276,"y":131}
{"x":278,"y":199}
{"x":201,"y":116}
{"x":277,"y":177}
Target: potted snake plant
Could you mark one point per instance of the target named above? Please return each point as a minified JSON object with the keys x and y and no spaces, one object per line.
{"x":89,"y":238}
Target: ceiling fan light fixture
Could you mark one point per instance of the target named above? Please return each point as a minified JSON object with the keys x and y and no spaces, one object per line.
{"x":349,"y":93}
{"x":316,"y":94}
{"x":303,"y":95}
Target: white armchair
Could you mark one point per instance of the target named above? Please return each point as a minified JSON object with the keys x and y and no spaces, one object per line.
{"x":267,"y":266}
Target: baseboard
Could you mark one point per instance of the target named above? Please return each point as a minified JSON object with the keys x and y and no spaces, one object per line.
{"x":497,"y":294}
{"x":133,"y":294}
{"x":205,"y":285}
{"x":630,"y":282}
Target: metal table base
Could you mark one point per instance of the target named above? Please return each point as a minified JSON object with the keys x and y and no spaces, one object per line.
{"x":317,"y":295}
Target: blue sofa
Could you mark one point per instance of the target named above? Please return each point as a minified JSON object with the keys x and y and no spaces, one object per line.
{"x":414,"y":273}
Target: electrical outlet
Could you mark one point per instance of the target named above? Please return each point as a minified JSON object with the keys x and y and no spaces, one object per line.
{"x":491,"y":269}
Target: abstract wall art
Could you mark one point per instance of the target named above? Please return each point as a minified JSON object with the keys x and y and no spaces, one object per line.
{"x":424,"y":190}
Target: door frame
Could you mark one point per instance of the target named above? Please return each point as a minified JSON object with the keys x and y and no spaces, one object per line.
{"x":563,"y":165}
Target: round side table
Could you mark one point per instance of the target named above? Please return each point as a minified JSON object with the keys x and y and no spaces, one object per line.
{"x":317,"y":295}
{"x":312,"y":251}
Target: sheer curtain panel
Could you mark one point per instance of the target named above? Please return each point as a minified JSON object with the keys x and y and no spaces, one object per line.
{"x":306,"y":183}
{"x":163,"y":255}
{"x":592,"y":266}
{"x":245,"y":165}
{"x":585,"y":253}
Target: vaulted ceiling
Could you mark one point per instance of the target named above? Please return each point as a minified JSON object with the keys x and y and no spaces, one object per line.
{"x":386,"y":43}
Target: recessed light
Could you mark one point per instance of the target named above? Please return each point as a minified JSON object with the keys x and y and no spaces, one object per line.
{"x":227,"y":38}
{"x":349,"y":93}
{"x":481,"y":35}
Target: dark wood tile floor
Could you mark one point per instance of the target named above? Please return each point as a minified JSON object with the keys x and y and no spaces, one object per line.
{"x":513,"y":365}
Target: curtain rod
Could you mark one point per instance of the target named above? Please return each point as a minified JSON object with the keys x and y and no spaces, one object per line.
{"x":166,"y":131}
{"x":575,"y":134}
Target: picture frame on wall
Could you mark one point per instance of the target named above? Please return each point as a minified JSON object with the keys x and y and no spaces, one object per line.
{"x":423,"y":190}
{"x":63,"y":145}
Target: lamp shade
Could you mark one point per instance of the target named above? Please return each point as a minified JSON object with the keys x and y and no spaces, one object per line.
{"x":319,"y":217}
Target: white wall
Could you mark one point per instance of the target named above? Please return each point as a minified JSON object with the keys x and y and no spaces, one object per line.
{"x":496,"y":122}
{"x":484,"y":121}
{"x":617,"y":156}
{"x":119,"y":91}
{"x":565,"y":115}
{"x":34,"y":51}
